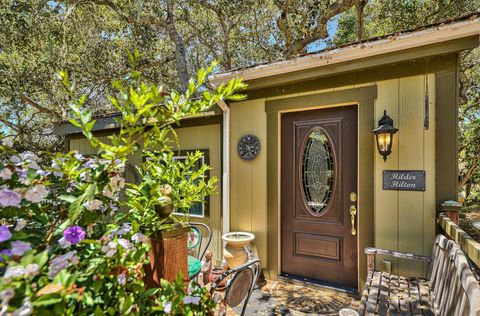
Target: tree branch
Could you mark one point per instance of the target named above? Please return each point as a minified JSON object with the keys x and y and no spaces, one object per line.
{"x":10,"y":125}
{"x":39,"y":107}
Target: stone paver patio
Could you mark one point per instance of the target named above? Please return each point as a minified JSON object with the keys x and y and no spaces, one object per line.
{"x":281,"y":298}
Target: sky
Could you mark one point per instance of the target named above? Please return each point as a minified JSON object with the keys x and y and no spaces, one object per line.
{"x":316,"y":46}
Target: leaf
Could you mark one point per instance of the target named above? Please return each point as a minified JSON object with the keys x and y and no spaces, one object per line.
{"x":76,"y":208}
{"x":63,"y":277}
{"x":98,"y":312}
{"x":41,"y":258}
{"x":237,"y":97}
{"x":46,"y":302}
{"x":67,"y":198}
{"x":149,"y":292}
{"x":28,"y":259}
{"x":75,"y":122}
{"x":50,"y":289}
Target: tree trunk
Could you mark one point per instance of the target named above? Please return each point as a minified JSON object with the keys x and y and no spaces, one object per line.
{"x":180,"y":49}
{"x":360,"y":19}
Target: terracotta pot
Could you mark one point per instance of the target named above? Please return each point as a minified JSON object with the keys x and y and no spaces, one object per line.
{"x":235,"y":253}
{"x":165,"y":208}
{"x":214,"y":275}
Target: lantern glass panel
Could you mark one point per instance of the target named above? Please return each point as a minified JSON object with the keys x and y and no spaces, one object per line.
{"x":384,"y":141}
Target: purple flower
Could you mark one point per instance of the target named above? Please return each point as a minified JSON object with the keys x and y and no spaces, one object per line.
{"x":14,"y":272}
{"x":110,"y":249}
{"x":5,"y":233}
{"x":89,"y":164}
{"x":9,"y":198}
{"x":62,"y":262}
{"x":167,"y":309}
{"x":64,"y":243}
{"x":78,"y":156}
{"x":5,"y":253}
{"x":42,"y":172}
{"x":125,"y":229}
{"x":125,"y":243}
{"x":122,"y":279}
{"x":191,"y":300}
{"x":20,"y":247}
{"x":139,"y":237}
{"x":74,"y":234}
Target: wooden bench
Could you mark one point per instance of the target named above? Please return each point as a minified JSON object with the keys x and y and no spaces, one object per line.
{"x":450,"y":288}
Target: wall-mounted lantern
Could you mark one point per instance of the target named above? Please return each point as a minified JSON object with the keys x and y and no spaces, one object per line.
{"x":384,"y":135}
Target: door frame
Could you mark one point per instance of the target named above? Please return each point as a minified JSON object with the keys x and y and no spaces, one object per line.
{"x":364,"y":98}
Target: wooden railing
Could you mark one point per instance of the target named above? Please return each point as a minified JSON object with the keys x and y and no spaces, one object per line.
{"x":469,"y":246}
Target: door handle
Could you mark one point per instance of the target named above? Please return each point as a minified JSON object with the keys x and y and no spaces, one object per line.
{"x":353,"y":213}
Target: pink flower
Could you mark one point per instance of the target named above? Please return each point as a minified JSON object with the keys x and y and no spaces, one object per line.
{"x":37,"y":193}
{"x":6,"y":173}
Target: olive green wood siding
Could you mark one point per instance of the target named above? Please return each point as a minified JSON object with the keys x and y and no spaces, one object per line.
{"x":404,"y":221}
{"x":248,"y":179}
{"x":199,"y":137}
{"x":208,"y":137}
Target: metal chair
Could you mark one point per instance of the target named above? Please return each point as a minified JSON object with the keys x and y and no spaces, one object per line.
{"x":199,"y":231}
{"x":240,"y":284}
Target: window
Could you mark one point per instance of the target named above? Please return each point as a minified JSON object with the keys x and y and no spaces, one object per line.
{"x":317,"y":170}
{"x":198,"y":209}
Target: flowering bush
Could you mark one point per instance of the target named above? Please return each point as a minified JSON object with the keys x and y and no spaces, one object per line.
{"x":68,"y":245}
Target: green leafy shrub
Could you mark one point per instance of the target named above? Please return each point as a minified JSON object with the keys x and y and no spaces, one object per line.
{"x":66,"y":245}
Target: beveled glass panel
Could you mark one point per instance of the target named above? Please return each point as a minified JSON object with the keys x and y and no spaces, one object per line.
{"x":317,"y":170}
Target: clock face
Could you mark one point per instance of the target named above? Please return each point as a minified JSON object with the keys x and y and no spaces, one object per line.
{"x":248,"y":147}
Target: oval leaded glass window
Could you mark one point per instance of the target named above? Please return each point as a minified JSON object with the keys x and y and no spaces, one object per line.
{"x":317,"y":170}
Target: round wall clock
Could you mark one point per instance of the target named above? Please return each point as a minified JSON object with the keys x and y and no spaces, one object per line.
{"x":248,"y":147}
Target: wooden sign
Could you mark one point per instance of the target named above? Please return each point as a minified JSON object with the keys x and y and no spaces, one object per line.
{"x":404,"y":180}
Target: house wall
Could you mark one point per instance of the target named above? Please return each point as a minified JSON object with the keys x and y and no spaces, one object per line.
{"x":403,"y":221}
{"x":208,"y":137}
{"x":189,"y":138}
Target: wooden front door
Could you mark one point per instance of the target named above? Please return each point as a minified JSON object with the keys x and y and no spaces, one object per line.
{"x":318,"y":175}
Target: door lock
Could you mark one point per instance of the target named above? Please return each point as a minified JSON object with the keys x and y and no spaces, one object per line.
{"x":353,"y":213}
{"x":353,"y":197}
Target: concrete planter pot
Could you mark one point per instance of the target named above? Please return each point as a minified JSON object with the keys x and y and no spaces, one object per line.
{"x":235,"y":252}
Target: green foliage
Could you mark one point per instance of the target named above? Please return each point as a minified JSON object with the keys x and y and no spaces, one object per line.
{"x":89,"y":40}
{"x":65,"y":247}
{"x":163,"y":177}
{"x":390,"y":16}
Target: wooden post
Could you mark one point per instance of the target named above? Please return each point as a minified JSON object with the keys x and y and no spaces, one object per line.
{"x":451,"y":211}
{"x":168,"y":255}
{"x":370,"y":262}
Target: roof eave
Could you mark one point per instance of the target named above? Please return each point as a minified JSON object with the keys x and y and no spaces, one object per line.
{"x":392,"y":44}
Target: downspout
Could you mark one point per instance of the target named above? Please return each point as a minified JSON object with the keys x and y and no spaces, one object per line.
{"x":226,"y":166}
